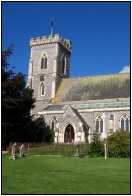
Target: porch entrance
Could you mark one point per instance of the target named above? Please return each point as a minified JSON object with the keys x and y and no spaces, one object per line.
{"x":69,"y":134}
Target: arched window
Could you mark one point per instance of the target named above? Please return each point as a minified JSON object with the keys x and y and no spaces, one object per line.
{"x":64,"y":65}
{"x":42,"y":89}
{"x":124,"y":122}
{"x":99,"y":124}
{"x":44,"y":62}
{"x":53,"y":124}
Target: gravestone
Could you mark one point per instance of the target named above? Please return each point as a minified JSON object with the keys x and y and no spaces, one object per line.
{"x":106,"y":149}
{"x":14,"y":156}
{"x":77,"y":151}
{"x":22,"y":151}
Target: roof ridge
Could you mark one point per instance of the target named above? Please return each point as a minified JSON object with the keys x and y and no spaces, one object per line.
{"x":115,"y":74}
{"x":91,"y":101}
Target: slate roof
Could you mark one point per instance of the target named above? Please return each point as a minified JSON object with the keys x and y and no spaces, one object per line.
{"x":110,"y":86}
{"x":94,"y":105}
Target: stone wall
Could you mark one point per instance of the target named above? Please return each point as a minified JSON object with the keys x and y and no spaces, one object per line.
{"x":70,"y":118}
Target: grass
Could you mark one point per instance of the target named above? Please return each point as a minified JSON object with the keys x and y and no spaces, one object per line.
{"x":65,"y":175}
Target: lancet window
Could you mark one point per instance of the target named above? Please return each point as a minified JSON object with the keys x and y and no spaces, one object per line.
{"x":124,"y":122}
{"x":64,"y":65}
{"x":42,"y":89}
{"x":53,"y":125}
{"x":44,"y":62}
{"x":99,"y":124}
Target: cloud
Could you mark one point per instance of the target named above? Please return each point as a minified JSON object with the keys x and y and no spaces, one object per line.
{"x":125,"y":69}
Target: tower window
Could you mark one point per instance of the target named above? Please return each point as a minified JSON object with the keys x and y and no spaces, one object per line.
{"x":44,"y":62}
{"x":42,"y":78}
{"x":42,"y":89}
{"x":64,"y":65}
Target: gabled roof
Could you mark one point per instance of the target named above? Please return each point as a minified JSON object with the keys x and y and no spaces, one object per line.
{"x":80,"y":117}
{"x":94,"y":88}
{"x":70,"y":111}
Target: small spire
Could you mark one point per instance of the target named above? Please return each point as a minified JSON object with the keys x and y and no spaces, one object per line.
{"x":52,"y":24}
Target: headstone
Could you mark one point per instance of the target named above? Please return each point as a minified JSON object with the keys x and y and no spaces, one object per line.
{"x":106,"y":149}
{"x":22,"y":151}
{"x":14,"y":156}
{"x":77,"y":151}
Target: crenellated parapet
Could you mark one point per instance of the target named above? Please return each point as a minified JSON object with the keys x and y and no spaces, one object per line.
{"x":51,"y":39}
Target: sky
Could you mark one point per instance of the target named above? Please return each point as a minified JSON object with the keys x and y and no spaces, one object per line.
{"x":99,"y":32}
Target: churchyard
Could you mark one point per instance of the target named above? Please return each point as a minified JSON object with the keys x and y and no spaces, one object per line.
{"x":59,"y":174}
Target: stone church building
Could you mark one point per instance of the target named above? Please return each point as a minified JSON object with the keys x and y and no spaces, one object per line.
{"x":75,"y":107}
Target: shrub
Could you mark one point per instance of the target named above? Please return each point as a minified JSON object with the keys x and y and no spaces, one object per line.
{"x":119,"y":144}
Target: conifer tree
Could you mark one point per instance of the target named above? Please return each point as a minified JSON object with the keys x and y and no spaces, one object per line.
{"x":17,"y":101}
{"x":96,"y":146}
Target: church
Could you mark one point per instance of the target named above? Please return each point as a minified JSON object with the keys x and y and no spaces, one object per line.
{"x":75,"y":107}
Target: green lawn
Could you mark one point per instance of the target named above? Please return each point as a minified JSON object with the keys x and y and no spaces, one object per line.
{"x":65,"y":175}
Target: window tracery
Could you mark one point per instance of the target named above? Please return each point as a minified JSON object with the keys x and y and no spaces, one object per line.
{"x":99,"y":124}
{"x":124,"y":122}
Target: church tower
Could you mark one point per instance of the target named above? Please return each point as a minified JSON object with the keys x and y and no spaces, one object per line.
{"x":49,"y":64}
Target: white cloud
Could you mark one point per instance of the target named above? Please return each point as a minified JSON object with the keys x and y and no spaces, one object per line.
{"x":125,"y":69}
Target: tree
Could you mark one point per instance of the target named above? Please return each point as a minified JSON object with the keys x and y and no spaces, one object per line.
{"x":50,"y":136}
{"x":96,"y":146}
{"x":39,"y":130}
{"x":17,"y":101}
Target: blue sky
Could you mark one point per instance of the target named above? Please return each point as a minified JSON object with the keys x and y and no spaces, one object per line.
{"x":99,"y":32}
